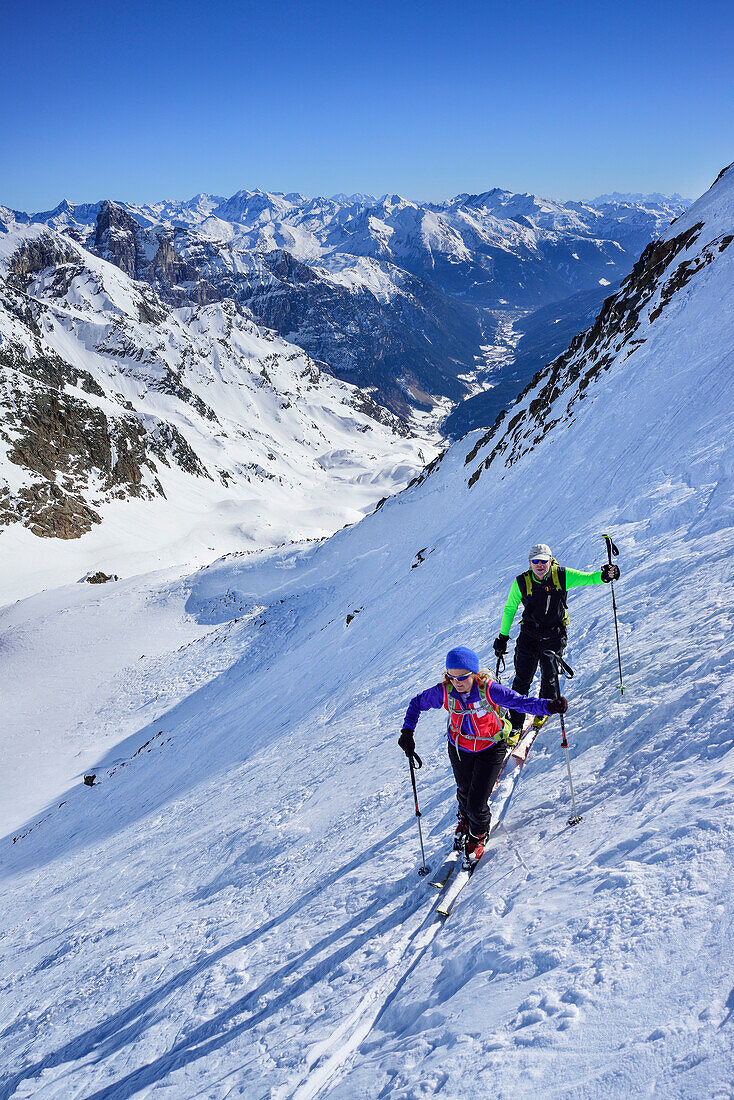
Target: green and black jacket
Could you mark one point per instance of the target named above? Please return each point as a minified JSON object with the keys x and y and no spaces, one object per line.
{"x":544,"y":602}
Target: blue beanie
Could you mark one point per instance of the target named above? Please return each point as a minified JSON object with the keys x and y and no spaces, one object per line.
{"x":462,"y":657}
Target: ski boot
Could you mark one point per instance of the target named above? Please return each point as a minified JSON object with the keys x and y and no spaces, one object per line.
{"x":473,"y":850}
{"x":460,"y":833}
{"x":539,"y":722}
{"x":513,"y":736}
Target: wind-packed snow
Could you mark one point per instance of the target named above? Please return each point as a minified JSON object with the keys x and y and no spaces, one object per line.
{"x":233,"y":908}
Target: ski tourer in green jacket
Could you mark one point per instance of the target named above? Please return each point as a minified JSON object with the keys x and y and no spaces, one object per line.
{"x":543,"y":592}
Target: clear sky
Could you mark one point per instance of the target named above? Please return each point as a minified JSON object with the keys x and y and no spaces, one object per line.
{"x":141,"y":101}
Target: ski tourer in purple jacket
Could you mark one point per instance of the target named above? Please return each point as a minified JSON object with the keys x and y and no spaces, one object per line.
{"x":477,"y":737}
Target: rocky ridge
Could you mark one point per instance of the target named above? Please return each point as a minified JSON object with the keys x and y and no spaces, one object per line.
{"x":107,"y":390}
{"x":625,"y":323}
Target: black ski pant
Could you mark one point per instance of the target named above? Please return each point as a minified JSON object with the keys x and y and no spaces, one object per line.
{"x":530,"y":650}
{"x":476,"y":774}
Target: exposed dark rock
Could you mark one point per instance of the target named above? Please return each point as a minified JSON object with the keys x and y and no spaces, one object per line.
{"x":722,"y":172}
{"x":38,"y":254}
{"x":172,"y":384}
{"x":48,"y":511}
{"x":121,"y":240}
{"x":595,"y":350}
{"x":363,"y":403}
{"x":167,"y":440}
{"x":47,"y":368}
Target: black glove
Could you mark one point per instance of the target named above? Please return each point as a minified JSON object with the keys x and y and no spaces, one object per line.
{"x":609,"y":573}
{"x":557,"y":706}
{"x":407,"y":742}
{"x":500,"y":645}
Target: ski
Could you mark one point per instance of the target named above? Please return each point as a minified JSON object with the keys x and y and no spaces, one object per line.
{"x":446,"y":871}
{"x":522,"y":748}
{"x":446,"y":904}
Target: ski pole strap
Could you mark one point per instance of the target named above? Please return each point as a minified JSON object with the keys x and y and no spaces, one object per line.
{"x":498,"y":670}
{"x":565,"y":668}
{"x":559,"y":665}
{"x":418,"y":762}
{"x":611,"y":548}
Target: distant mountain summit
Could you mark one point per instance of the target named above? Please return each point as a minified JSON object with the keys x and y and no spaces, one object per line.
{"x":675,"y":201}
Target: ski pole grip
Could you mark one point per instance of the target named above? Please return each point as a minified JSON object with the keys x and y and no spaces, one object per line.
{"x":611,"y":548}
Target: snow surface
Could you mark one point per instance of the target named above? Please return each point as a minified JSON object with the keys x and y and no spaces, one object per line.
{"x":235,"y":911}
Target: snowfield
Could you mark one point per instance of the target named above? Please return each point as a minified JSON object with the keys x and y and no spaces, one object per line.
{"x":233,"y":908}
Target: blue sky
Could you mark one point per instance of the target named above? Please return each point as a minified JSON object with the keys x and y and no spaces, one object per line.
{"x":143,"y":101}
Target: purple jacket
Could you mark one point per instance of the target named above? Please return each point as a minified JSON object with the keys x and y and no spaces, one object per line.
{"x":501,"y":696}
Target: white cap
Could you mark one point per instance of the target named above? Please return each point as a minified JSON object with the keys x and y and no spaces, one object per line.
{"x":540,"y":550}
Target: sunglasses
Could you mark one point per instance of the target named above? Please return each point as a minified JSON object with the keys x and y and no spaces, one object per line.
{"x":464,"y":677}
{"x":539,"y":561}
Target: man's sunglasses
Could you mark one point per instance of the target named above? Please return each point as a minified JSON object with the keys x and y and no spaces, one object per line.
{"x":539,"y":561}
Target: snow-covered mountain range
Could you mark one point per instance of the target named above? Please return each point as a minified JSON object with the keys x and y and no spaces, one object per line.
{"x":140,"y":355}
{"x":233,"y":907}
{"x":404,"y":299}
{"x":188,"y":430}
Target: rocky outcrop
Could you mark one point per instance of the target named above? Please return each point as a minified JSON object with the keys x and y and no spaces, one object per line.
{"x":122,"y":241}
{"x":47,"y":510}
{"x":37,"y":254}
{"x":119,"y":239}
{"x":72,"y":451}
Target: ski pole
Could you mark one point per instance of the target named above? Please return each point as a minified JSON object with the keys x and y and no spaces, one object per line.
{"x":498,"y":677}
{"x":556,"y":660}
{"x":424,"y":869}
{"x":612,"y":549}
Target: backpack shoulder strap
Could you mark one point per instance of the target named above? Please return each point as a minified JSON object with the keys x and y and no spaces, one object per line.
{"x":484,"y":694}
{"x":554,"y":575}
{"x":525,"y":580}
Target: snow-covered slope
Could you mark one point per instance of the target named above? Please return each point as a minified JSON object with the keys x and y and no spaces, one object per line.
{"x":233,"y":908}
{"x":184,"y":430}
